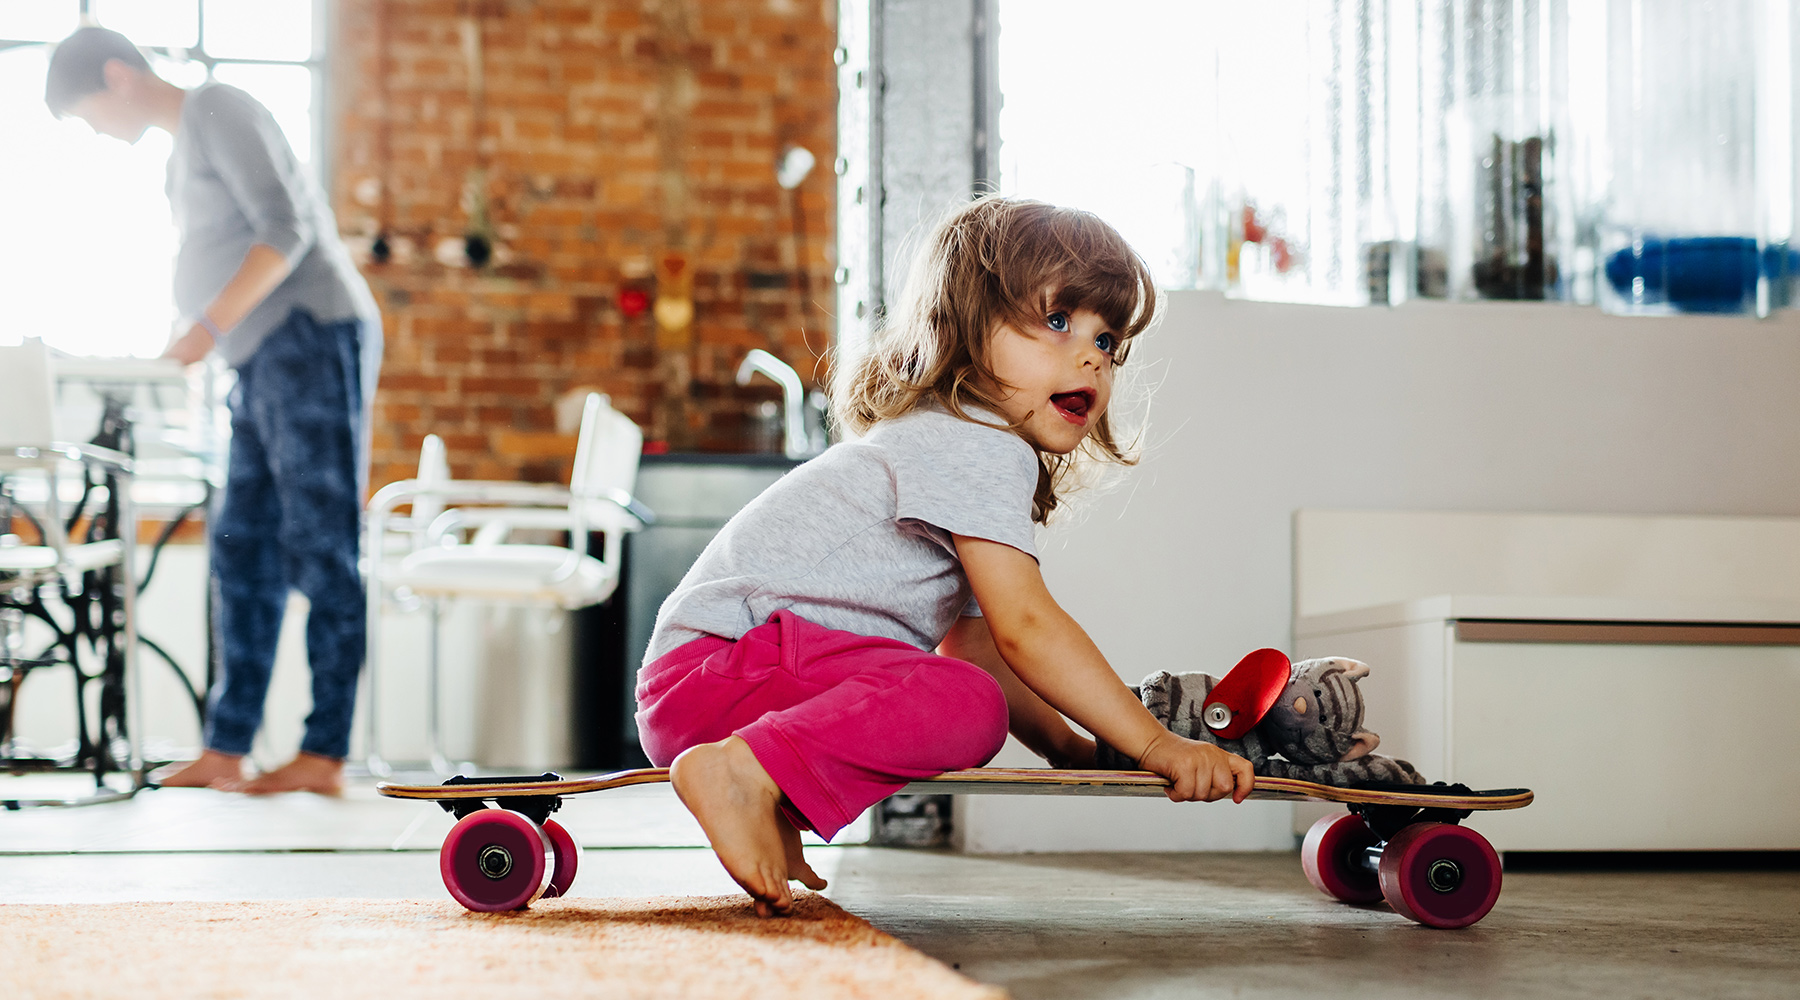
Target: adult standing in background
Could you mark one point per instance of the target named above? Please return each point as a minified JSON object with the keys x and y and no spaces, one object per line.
{"x":262,"y":278}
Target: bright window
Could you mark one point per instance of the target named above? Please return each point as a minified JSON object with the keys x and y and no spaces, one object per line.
{"x":87,"y":261}
{"x":1343,"y":152}
{"x":1107,"y":108}
{"x":1176,"y":121}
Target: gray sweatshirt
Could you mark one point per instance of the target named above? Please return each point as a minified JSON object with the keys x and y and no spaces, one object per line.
{"x":234,"y":182}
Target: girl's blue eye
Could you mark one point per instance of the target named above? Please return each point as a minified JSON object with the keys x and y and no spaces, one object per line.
{"x":1107,"y":343}
{"x":1057,"y":321}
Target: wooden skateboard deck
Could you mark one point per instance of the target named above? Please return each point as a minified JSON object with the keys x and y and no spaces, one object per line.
{"x":1401,"y":843}
{"x":1012,"y":781}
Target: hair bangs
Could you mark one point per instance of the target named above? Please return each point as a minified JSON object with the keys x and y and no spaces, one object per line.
{"x":1077,"y":261}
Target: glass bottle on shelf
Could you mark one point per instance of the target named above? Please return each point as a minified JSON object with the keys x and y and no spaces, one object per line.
{"x":1780,"y":187}
{"x":1503,"y":217}
{"x":1437,"y":50}
{"x":1307,"y":204}
{"x":1700,"y":136}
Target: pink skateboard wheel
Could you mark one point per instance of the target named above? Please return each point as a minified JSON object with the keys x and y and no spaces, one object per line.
{"x":495,"y":860}
{"x":1329,"y":858}
{"x":1440,"y":875}
{"x":567,"y":859}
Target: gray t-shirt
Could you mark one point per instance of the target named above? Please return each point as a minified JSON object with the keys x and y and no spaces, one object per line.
{"x":858,"y":539}
{"x":233,"y":182}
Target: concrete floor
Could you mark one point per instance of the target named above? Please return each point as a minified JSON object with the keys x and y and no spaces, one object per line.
{"x":1228,"y":925}
{"x":1078,"y":925}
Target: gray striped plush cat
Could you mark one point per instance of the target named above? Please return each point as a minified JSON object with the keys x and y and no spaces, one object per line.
{"x":1316,"y":725}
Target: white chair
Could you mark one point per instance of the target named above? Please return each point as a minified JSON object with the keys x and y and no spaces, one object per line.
{"x":488,"y":566}
{"x":405,"y":534}
{"x":56,"y":568}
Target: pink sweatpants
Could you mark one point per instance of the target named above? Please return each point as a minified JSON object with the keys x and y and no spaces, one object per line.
{"x":839,"y":720}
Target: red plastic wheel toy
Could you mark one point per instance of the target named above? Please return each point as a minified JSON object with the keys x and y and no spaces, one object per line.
{"x":1440,"y":875}
{"x":1329,"y":856}
{"x":568,"y":859}
{"x":495,"y":860}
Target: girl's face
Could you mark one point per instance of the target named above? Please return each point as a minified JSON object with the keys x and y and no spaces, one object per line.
{"x":1056,"y":377}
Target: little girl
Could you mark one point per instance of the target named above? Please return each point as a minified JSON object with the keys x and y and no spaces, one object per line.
{"x":877,"y":616}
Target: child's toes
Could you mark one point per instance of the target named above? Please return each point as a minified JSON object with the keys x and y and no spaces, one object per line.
{"x":782,"y":898}
{"x":797,"y":868}
{"x":772,"y":893}
{"x":768,"y":891}
{"x":806,"y":876}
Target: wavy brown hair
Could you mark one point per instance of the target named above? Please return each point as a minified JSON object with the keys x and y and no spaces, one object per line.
{"x":991,"y":262}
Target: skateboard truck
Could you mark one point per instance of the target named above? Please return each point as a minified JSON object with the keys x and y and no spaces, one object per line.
{"x":1386,"y":821}
{"x":536,"y":808}
{"x":1442,"y":875}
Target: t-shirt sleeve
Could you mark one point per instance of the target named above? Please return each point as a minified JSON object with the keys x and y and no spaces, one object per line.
{"x":245,"y":147}
{"x":953,"y":477}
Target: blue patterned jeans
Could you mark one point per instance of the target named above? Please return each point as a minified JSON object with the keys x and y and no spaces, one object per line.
{"x":289,"y":519}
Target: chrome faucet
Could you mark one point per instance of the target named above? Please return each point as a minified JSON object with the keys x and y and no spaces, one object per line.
{"x":793,"y":394}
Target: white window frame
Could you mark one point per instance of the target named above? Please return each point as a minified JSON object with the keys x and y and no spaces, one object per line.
{"x":318,"y":65}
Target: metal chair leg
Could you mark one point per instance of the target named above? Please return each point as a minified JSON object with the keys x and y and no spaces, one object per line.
{"x":372,"y":759}
{"x":439,"y":762}
{"x":372,"y":652}
{"x":12,"y":672}
{"x":134,"y":682}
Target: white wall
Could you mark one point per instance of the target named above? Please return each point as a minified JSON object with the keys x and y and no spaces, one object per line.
{"x":1263,"y":409}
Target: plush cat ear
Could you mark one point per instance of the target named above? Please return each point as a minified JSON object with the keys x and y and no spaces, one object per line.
{"x":1319,"y":666}
{"x":1366,"y":742}
{"x":1356,"y":670}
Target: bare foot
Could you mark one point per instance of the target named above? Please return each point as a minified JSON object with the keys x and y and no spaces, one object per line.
{"x":736,"y":802}
{"x":305,"y":773}
{"x":797,"y":867}
{"x":212,"y":770}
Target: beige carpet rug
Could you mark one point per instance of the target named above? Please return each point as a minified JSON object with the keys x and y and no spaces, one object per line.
{"x":581,"y":947}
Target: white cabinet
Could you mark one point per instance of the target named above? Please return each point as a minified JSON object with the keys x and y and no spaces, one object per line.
{"x":1687,"y":741}
{"x":1640,"y":674}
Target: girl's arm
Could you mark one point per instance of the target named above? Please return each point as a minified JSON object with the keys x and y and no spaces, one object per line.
{"x":1041,"y":728}
{"x":1051,"y":654}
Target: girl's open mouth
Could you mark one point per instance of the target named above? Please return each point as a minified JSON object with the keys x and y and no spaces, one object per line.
{"x":1073,"y":405}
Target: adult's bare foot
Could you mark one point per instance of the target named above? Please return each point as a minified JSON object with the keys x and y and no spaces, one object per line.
{"x":212,"y":770}
{"x":305,"y":773}
{"x":797,"y":868}
{"x":736,"y":802}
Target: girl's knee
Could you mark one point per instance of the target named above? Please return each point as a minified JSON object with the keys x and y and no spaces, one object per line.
{"x":978,"y":710}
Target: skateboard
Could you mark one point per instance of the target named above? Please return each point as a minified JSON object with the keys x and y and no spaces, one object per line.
{"x":1401,"y":843}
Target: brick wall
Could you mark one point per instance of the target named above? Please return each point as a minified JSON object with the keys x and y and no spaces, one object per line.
{"x":603,"y":137}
